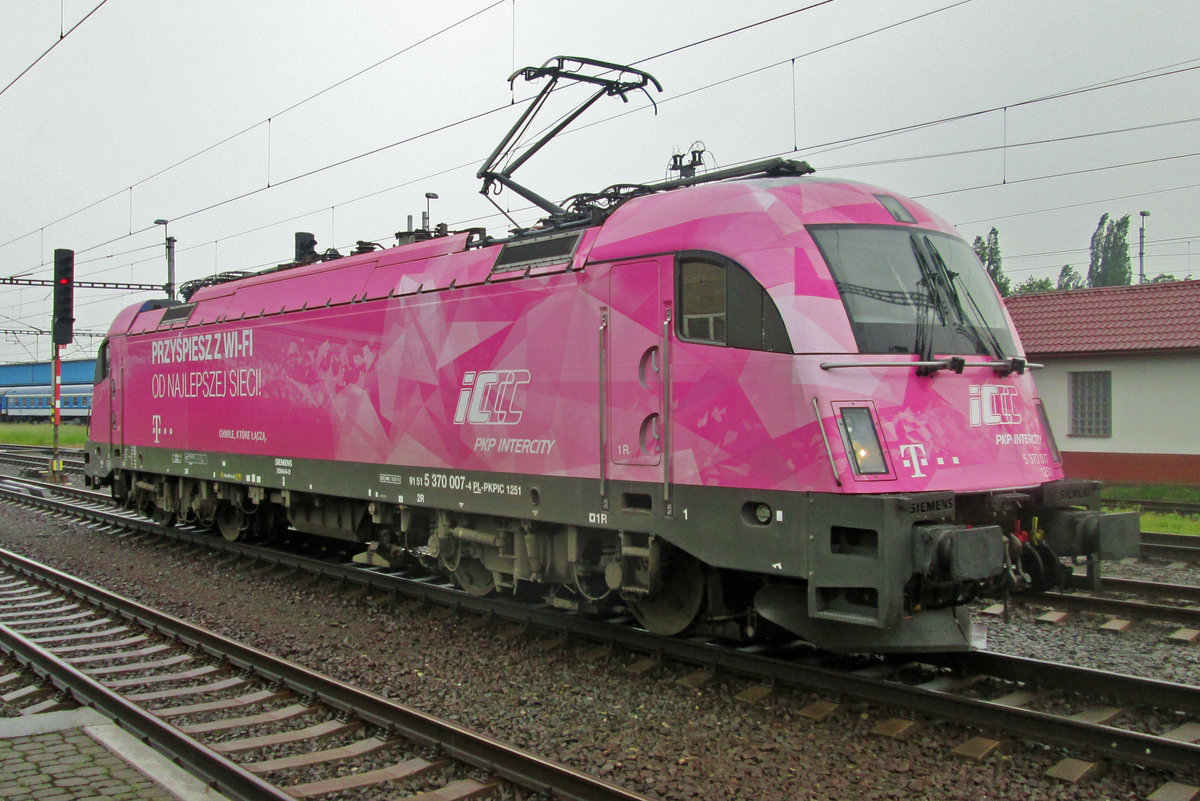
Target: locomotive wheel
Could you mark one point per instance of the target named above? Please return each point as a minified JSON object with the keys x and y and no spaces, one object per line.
{"x":474,"y":577}
{"x":677,"y":604}
{"x":163,"y":517}
{"x":231,"y":522}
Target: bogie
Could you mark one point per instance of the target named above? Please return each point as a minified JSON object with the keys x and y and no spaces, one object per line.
{"x":570,"y":567}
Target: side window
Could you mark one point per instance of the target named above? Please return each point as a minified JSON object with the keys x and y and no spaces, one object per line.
{"x":720,"y":303}
{"x":101,"y":363}
{"x":702,"y":301}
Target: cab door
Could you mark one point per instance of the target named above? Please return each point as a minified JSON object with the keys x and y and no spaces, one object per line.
{"x":100,"y":427}
{"x":635,"y":365}
{"x":106,"y":399}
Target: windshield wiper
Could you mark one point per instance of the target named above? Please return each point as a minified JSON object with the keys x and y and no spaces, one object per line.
{"x":981,"y":335}
{"x":925,"y":305}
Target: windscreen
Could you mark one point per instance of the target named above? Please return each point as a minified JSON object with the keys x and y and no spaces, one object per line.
{"x":908,"y":290}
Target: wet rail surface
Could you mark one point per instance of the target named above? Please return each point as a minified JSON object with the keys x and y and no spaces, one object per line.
{"x":249,"y":724}
{"x":1101,"y":714}
{"x":1181,"y":547}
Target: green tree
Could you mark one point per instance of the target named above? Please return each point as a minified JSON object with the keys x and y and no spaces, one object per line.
{"x":1162,"y":278}
{"x":1069,"y":278}
{"x":988,"y":252}
{"x":1109,"y":264}
{"x":1034,"y":285}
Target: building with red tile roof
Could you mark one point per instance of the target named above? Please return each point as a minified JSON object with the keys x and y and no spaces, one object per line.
{"x":1120,"y":379}
{"x":1115,"y":319}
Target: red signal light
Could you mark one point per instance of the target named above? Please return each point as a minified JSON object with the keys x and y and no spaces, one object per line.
{"x":63,"y":318}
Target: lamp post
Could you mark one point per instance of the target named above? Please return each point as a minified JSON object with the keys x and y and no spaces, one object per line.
{"x":428,"y":197}
{"x":170,"y":242}
{"x":1142,"y":248}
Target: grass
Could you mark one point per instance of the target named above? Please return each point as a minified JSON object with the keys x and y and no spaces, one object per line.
{"x":70,"y":435}
{"x":1173,"y":493}
{"x":1170,"y":524}
{"x":1161,"y":522}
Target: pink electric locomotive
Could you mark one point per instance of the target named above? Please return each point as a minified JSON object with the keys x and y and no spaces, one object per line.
{"x":731,"y":403}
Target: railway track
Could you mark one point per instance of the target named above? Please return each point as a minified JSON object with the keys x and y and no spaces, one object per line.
{"x":1107,"y":715}
{"x":1182,"y":610}
{"x":1175,"y":547}
{"x":246,"y":722}
{"x":35,"y":457}
{"x":1155,"y":506}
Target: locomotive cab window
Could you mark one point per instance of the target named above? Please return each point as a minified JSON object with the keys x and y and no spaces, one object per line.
{"x":909,"y":290}
{"x":720,"y":303}
{"x":101,"y":363}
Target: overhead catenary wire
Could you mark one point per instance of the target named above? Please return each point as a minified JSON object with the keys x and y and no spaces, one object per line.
{"x":817,"y":148}
{"x":57,"y":42}
{"x":661,"y":54}
{"x":1146,"y":75}
{"x":374,"y":151}
{"x":265,"y":121}
{"x":1097,"y":201}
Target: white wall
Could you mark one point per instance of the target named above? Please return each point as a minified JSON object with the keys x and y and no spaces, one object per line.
{"x":1155,"y":400}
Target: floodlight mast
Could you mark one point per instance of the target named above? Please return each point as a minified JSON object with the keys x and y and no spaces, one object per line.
{"x":568,"y":68}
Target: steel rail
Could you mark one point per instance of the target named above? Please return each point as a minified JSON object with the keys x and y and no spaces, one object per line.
{"x":1176,"y":547}
{"x":1115,"y":688}
{"x":1147,"y":589}
{"x":1109,"y":741}
{"x":1119,"y":606}
{"x":1178,"y":507}
{"x":512,"y":764}
{"x":198,"y":759}
{"x":1087,"y":602}
{"x":43,"y":462}
{"x":1181,"y":615}
{"x":1174,"y":553}
{"x":1159,"y":538}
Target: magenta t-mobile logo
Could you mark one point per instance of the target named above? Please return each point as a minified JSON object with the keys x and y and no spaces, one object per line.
{"x":487,"y":397}
{"x":914,"y":458}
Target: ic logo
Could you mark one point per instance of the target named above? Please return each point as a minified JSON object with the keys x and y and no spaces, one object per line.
{"x":993,"y":405}
{"x":487,"y":397}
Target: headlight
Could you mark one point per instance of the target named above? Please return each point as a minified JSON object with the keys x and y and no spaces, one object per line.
{"x":862,"y":441}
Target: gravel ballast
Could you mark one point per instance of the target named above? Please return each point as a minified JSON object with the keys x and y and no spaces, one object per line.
{"x":648,"y":733}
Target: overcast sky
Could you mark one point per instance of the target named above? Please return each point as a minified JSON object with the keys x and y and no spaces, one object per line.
{"x":215,"y":115}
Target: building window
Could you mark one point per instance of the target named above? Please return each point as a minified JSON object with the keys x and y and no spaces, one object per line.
{"x":1091,"y":404}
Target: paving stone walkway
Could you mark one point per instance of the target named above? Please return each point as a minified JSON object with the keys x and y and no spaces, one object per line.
{"x":67,"y":765}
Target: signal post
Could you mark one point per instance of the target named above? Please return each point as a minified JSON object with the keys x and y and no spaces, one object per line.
{"x":61,"y":333}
